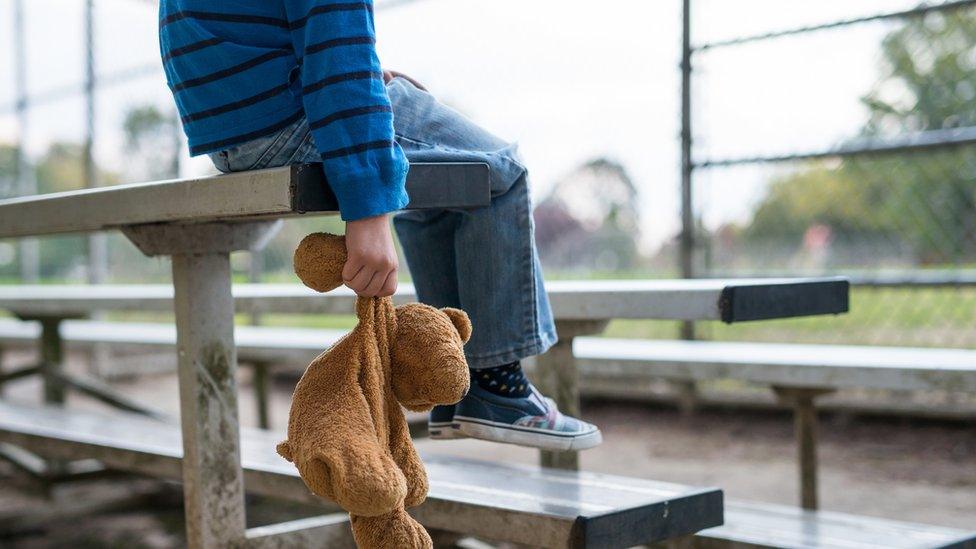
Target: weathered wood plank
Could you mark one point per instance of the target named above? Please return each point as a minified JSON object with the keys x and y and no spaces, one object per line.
{"x":698,"y":299}
{"x":787,"y":365}
{"x":272,"y":193}
{"x":762,"y":525}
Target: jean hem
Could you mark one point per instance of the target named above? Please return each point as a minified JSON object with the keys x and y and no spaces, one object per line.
{"x":539,"y":345}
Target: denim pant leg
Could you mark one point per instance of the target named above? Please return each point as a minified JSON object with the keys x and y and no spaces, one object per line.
{"x":484,"y":260}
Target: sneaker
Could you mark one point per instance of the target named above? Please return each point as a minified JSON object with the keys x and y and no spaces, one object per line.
{"x":440,"y":424}
{"x":530,"y":421}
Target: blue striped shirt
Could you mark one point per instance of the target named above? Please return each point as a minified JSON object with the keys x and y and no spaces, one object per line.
{"x":242,"y":69}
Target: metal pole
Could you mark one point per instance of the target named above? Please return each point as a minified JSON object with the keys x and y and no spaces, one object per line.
{"x":687,"y":239}
{"x":212,"y":479}
{"x":26,"y":184}
{"x":97,"y":243}
{"x":177,"y":148}
{"x":213,"y":486}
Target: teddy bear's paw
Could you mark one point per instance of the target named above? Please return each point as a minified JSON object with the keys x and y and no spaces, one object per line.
{"x":362,"y":484}
{"x":392,"y":530}
{"x":416,"y":491}
{"x":413,"y":469}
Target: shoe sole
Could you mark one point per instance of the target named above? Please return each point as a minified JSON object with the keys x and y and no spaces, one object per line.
{"x":526,"y":436}
{"x":443,"y":431}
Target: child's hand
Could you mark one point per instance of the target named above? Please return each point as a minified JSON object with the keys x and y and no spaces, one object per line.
{"x":371,"y":260}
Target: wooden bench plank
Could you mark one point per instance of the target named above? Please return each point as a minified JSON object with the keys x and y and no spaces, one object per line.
{"x":790,"y":365}
{"x":535,"y":506}
{"x":762,"y":525}
{"x":254,"y":343}
{"x":698,"y":299}
{"x":835,"y":366}
{"x":272,"y":193}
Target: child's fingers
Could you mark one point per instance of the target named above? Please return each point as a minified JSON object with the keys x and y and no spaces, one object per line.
{"x":350,"y":270}
{"x":376,"y":284}
{"x":361,"y":280}
{"x":390,"y":285}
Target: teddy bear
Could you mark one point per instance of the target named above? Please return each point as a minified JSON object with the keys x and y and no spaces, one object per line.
{"x":347,"y":433}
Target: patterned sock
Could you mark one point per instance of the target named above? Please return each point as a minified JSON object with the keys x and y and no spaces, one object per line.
{"x":506,"y":380}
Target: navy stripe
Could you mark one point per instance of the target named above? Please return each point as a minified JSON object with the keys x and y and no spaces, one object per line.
{"x":274,"y":54}
{"x":225,"y":17}
{"x":350,"y":41}
{"x":348,"y":113}
{"x":362,"y":75}
{"x":231,"y":141}
{"x":190,"y":48}
{"x":192,"y":117}
{"x":328,"y":8}
{"x":356,"y":149}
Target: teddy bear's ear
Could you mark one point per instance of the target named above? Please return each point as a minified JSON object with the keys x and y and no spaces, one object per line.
{"x":319,"y":259}
{"x":284,"y":450}
{"x":460,"y":320}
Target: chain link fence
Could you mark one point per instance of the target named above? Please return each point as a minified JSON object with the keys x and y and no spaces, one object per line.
{"x":834,"y":169}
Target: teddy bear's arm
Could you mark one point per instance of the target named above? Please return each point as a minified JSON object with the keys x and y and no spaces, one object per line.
{"x":333,"y":441}
{"x":405,"y":455}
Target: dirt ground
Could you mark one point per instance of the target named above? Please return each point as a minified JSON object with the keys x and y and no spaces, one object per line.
{"x":913,"y":470}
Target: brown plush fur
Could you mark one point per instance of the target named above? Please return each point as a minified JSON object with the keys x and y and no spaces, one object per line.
{"x":347,"y":434}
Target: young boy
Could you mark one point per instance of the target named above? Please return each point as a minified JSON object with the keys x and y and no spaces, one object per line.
{"x":263,"y":83}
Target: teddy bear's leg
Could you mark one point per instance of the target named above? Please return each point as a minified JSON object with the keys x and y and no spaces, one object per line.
{"x":337,"y":450}
{"x":359,"y":479}
{"x":397,"y":529}
{"x":405,"y":455}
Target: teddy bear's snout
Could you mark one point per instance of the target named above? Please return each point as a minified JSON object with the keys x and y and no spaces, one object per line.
{"x":443,"y":383}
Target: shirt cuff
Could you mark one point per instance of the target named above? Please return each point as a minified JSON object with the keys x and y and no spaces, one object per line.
{"x":368,"y":195}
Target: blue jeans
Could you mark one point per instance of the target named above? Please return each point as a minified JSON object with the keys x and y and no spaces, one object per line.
{"x":483,"y":261}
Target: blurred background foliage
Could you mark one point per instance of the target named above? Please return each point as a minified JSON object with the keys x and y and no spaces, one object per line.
{"x":862,"y":215}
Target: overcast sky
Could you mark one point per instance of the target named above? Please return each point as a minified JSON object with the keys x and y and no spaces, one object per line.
{"x":569,"y":80}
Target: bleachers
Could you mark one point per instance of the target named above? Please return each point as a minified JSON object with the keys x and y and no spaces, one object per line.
{"x":198,"y":223}
{"x":537,"y":507}
{"x":747,"y":524}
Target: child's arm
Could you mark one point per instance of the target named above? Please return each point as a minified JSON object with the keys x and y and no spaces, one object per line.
{"x":351,"y":119}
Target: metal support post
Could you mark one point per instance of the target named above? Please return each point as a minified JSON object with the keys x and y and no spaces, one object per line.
{"x":262,"y":388}
{"x":805,"y":429}
{"x":213,"y":485}
{"x":558,"y":377}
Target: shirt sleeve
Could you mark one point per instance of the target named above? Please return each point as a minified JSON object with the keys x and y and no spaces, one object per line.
{"x":347,"y":106}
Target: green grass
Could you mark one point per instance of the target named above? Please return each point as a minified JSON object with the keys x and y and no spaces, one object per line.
{"x":896,"y":316}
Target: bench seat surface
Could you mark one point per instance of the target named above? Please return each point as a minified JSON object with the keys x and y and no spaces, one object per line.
{"x":814,"y":365}
{"x":730,"y":300}
{"x":258,"y":194}
{"x":833,"y":366}
{"x":778,"y":526}
{"x":521,"y":504}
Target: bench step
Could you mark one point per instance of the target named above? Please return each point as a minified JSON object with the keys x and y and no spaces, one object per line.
{"x":761,"y":525}
{"x":520,"y":504}
{"x":254,"y":343}
{"x":797,"y":365}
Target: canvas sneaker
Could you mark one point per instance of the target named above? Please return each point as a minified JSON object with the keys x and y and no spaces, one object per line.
{"x":440,"y":423}
{"x":533,"y":421}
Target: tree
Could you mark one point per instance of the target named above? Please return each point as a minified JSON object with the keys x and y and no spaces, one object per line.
{"x":922,"y":202}
{"x":151,"y":144}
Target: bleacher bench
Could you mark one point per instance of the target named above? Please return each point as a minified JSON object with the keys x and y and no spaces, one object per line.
{"x":747,"y":524}
{"x":766,"y":526}
{"x":518,"y":504}
{"x":778,"y":364}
